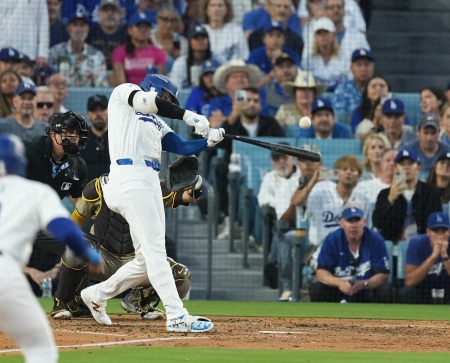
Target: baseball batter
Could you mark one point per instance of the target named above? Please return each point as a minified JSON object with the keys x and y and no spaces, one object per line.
{"x":29,"y":328}
{"x":110,"y":234}
{"x":136,"y":137}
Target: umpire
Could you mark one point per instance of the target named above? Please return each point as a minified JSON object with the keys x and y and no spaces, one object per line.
{"x":54,"y":160}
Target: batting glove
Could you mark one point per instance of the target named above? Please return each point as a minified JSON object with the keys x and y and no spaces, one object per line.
{"x":215,"y":136}
{"x":199,"y":122}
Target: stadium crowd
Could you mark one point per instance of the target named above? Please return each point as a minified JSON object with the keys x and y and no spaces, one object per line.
{"x":255,"y":68}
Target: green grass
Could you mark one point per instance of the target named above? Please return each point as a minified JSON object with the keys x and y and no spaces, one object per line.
{"x":220,"y":355}
{"x":302,"y":310}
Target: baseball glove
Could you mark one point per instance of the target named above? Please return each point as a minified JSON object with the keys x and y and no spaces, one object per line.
{"x":182,"y":174}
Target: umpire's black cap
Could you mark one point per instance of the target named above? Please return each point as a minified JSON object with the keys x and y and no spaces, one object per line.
{"x":97,"y":100}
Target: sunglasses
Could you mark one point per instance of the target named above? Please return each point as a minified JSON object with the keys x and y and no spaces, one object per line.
{"x":46,"y":104}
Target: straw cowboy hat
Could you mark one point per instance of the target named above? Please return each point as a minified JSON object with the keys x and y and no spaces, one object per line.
{"x":235,"y":65}
{"x":303,"y":80}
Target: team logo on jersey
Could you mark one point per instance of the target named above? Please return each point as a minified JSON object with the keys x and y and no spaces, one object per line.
{"x":147,"y":117}
{"x":329,"y":219}
{"x":66,"y":186}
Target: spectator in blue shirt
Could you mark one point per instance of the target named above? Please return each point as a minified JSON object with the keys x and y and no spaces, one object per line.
{"x":353,"y":264}
{"x":200,"y":97}
{"x":347,"y":95}
{"x":274,"y":40}
{"x":428,"y":263}
{"x":272,"y":94}
{"x":324,"y":125}
{"x":427,"y":145}
{"x":280,"y":11}
{"x":257,"y":18}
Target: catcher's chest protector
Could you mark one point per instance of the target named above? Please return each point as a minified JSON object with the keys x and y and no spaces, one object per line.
{"x":113,"y":231}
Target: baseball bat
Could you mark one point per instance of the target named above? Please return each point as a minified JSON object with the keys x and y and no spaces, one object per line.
{"x":279,"y":148}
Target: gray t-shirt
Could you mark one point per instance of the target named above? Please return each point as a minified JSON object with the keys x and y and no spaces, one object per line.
{"x":408,"y":135}
{"x":426,"y":163}
{"x":11,"y":126}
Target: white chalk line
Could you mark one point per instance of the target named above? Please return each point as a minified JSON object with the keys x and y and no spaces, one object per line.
{"x":125,"y":342}
{"x":91,"y":332}
{"x":284,"y":332}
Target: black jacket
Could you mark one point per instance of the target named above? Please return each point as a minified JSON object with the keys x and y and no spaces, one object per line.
{"x":390,"y":219}
{"x":267,"y":126}
{"x":40,"y":168}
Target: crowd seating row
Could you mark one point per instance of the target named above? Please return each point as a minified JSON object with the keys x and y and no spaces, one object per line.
{"x":77,"y":100}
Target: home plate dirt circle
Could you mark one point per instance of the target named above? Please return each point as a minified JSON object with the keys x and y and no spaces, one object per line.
{"x":255,"y":333}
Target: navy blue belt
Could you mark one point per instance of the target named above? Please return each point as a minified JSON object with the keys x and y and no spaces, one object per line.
{"x":150,"y":163}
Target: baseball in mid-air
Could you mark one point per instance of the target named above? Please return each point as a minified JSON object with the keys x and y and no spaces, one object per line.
{"x":305,"y":122}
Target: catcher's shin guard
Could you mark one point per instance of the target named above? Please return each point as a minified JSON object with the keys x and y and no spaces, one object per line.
{"x":70,"y":282}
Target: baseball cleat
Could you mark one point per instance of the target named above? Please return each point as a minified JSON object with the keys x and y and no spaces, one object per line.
{"x":98,"y":310}
{"x":61,"y":310}
{"x":152,"y":315}
{"x":189,"y":324}
{"x":62,"y":314}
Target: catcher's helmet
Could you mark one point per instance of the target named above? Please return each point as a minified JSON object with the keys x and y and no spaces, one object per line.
{"x":61,"y":122}
{"x":160,"y":83}
{"x":12,"y":155}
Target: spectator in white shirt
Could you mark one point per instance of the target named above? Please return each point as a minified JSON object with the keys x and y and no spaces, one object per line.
{"x":348,"y":38}
{"x":326,"y":62}
{"x":353,"y":17}
{"x":227,"y":39}
{"x":372,"y":187}
{"x":327,"y":198}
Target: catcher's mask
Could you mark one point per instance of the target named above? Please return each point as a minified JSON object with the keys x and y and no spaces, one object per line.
{"x":61,"y":123}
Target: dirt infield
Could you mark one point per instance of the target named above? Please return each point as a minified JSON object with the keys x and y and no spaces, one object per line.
{"x":257,"y":333}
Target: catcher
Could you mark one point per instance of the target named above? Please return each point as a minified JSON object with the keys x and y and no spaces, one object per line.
{"x":110,"y":234}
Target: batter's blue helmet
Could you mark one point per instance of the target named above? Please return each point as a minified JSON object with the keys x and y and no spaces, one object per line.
{"x":12,"y":155}
{"x":160,"y":83}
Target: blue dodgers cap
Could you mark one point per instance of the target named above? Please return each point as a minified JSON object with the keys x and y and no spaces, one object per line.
{"x":140,"y":18}
{"x":438,"y":219}
{"x":25,"y":87}
{"x":321,"y":104}
{"x":273,"y":25}
{"x":362,"y":53}
{"x":9,"y":53}
{"x":393,"y":105}
{"x":407,"y":153}
{"x":210,"y":65}
{"x":352,"y":210}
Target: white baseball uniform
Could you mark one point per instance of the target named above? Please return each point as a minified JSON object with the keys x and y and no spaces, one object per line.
{"x":25,"y":208}
{"x":371,"y":188}
{"x":324,"y":210}
{"x":134,"y":191}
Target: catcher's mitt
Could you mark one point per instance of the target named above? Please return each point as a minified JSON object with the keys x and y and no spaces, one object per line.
{"x":182,"y":174}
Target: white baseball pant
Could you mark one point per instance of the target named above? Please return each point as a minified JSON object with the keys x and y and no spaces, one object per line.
{"x":21,"y":316}
{"x":134,"y":191}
